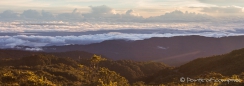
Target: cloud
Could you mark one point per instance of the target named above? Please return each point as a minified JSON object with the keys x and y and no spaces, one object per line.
{"x":27,"y":15}
{"x":101,"y":12}
{"x":179,"y":16}
{"x":227,"y":9}
{"x":132,"y":13}
{"x":33,"y":33}
{"x":224,"y":2}
{"x":9,"y":14}
{"x":33,"y":49}
{"x":10,"y":42}
{"x":104,"y":13}
{"x":97,"y":13}
{"x":60,"y":26}
{"x":47,"y":15}
{"x":39,"y":41}
{"x":74,"y":16}
{"x":130,"y":16}
{"x":31,"y":14}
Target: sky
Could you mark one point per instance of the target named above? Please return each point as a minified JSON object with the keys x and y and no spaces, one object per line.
{"x":145,"y":8}
{"x":39,"y":23}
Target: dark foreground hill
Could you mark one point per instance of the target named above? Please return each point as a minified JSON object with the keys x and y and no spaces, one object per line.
{"x":7,"y":53}
{"x":50,"y":70}
{"x":226,"y":66}
{"x":173,"y":51}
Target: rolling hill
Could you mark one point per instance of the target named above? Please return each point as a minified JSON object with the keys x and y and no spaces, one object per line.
{"x":172,"y":51}
{"x":67,"y":71}
{"x":226,"y":64}
{"x":7,"y":53}
{"x":229,"y":65}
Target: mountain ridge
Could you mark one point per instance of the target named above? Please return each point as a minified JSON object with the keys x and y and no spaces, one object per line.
{"x":159,"y":48}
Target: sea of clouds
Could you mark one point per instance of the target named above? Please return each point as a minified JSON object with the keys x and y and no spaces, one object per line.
{"x":37,"y":29}
{"x":60,"y":26}
{"x":37,"y":34}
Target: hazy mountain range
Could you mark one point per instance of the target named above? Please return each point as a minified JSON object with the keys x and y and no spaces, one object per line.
{"x":172,"y":50}
{"x":58,"y":69}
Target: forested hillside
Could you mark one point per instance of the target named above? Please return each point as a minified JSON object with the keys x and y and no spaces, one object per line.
{"x":226,"y":66}
{"x":45,"y":69}
{"x":174,"y":51}
{"x":42,"y":69}
{"x":8,"y":53}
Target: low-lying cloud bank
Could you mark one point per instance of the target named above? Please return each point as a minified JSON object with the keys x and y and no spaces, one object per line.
{"x":106,"y":14}
{"x":37,"y":34}
{"x":59,"y":26}
{"x":129,"y":16}
{"x":103,"y":13}
{"x":40,"y":41}
{"x":104,"y":23}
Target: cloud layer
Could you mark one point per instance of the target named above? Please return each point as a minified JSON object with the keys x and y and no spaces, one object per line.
{"x":224,"y":2}
{"x":41,"y":28}
{"x":59,"y":26}
{"x":39,"y":41}
{"x":102,"y":13}
{"x":179,"y":16}
{"x":226,"y":9}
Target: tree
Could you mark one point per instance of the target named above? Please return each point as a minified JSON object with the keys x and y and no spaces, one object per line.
{"x":110,"y":78}
{"x":96,"y":59}
{"x":139,"y":83}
